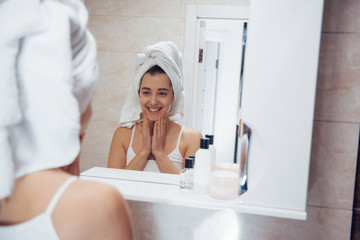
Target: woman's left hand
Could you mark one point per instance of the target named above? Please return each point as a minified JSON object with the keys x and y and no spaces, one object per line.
{"x":158,"y":139}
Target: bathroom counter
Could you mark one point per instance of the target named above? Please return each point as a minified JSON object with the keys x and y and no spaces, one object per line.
{"x":164,"y":188}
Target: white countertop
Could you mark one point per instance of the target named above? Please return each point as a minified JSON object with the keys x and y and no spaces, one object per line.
{"x":164,"y":188}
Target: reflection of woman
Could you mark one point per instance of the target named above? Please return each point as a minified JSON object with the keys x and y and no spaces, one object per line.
{"x":148,"y":137}
{"x":49,"y":75}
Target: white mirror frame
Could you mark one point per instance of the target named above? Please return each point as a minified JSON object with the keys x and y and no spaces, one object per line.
{"x":278,"y":105}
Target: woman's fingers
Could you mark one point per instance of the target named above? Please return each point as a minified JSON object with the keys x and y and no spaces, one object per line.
{"x":146,"y":129}
{"x":147,"y":142}
{"x":155,"y":130}
{"x":158,"y":139}
{"x":164,"y":123}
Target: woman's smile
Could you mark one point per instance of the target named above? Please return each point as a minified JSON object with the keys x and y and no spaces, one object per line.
{"x":153,"y":113}
{"x":154,"y":109}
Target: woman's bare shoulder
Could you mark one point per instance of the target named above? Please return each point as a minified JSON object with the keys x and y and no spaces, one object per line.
{"x":95,"y":190}
{"x":123,"y":131}
{"x":191,"y":136}
{"x":191,"y":133}
{"x":94,"y":207}
{"x":122,"y":136}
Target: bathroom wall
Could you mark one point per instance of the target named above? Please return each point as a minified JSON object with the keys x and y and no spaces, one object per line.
{"x":123,"y":28}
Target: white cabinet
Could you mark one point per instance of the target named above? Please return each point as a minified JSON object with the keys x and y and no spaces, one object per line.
{"x":278,"y":100}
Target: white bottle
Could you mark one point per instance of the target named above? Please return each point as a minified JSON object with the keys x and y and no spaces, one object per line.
{"x":202,"y":167}
{"x":212,"y":150}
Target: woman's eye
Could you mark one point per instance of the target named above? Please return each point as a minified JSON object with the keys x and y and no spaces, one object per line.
{"x":163,"y":94}
{"x":145,"y":93}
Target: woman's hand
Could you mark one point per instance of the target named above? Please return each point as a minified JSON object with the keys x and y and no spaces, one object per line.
{"x":146,"y":148}
{"x":158,"y":139}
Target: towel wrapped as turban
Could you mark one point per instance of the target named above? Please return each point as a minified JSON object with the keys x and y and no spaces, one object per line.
{"x":167,"y":56}
{"x":48,"y":73}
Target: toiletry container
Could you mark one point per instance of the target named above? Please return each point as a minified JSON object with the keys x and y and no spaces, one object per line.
{"x":187,"y":175}
{"x":223,"y":184}
{"x":224,"y":181}
{"x":229,"y":166}
{"x":202,"y":167}
{"x":212,"y":149}
{"x":193,"y":158}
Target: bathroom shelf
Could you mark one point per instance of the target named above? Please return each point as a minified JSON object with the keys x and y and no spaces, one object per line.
{"x":164,"y":188}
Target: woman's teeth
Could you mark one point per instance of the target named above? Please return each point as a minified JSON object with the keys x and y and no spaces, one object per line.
{"x":154,"y":109}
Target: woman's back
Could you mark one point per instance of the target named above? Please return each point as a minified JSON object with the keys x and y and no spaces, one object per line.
{"x":81,"y":209}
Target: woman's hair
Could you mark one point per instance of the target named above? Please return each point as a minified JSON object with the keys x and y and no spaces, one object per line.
{"x":154,"y":70}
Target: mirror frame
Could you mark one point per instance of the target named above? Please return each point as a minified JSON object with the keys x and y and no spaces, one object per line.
{"x":279,"y":154}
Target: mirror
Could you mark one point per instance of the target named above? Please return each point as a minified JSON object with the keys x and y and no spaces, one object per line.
{"x":220,"y":41}
{"x":277,"y":98}
{"x":223,"y":28}
{"x":217,"y":89}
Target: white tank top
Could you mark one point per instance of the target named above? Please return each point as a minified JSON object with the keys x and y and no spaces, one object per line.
{"x":39,"y":227}
{"x":151,"y":165}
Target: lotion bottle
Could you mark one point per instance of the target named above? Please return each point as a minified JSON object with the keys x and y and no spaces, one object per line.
{"x":212,"y":150}
{"x":202,"y":167}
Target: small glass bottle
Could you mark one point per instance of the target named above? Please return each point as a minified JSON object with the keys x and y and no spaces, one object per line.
{"x":193,"y":158}
{"x":186,"y":175}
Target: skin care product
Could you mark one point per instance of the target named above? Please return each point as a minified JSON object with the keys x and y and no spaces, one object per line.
{"x":187,"y":174}
{"x":202,"y":167}
{"x":212,"y":149}
{"x":223,"y":184}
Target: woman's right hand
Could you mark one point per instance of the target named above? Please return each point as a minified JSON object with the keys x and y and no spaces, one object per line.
{"x":146,"y":148}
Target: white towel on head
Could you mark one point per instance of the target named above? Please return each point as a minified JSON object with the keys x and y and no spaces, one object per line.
{"x":48,"y":72}
{"x":167,"y":56}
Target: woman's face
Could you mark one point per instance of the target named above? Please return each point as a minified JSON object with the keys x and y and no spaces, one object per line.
{"x":156,"y":95}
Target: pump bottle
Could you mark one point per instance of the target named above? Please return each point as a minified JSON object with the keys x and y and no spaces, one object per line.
{"x":202,"y":167}
{"x":212,"y":149}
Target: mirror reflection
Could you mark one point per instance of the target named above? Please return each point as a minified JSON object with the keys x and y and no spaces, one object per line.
{"x":279,"y":152}
{"x":217,"y":86}
{"x":219,"y":38}
{"x":148,"y":138}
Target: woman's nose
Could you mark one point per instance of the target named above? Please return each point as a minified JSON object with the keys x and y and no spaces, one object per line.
{"x":153,"y":99}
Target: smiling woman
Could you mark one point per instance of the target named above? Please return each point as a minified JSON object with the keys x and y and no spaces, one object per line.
{"x":154,"y":103}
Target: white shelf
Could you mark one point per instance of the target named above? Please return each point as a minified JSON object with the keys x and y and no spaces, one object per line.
{"x":164,"y":188}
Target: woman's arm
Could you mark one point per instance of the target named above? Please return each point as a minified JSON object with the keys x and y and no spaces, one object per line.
{"x":118,"y":150}
{"x":165,"y":164}
{"x":117,"y":153}
{"x":191,"y":140}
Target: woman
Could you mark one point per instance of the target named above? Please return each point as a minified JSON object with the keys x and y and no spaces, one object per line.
{"x":148,"y":138}
{"x":47,"y":82}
